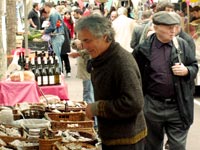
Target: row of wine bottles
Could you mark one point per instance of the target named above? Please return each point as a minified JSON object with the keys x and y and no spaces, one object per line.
{"x":45,"y":68}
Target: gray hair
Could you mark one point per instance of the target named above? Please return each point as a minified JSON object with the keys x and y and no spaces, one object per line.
{"x":122,"y":11}
{"x":97,"y":25}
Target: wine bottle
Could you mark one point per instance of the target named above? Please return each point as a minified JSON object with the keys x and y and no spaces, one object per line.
{"x":21,"y":60}
{"x":57,"y":74}
{"x":39,"y":63}
{"x":51,"y":79}
{"x":33,"y":65}
{"x":27,"y":66}
{"x":45,"y":72}
{"x":36,"y":55}
{"x":44,"y":77}
{"x":38,"y":76}
{"x":43,"y":54}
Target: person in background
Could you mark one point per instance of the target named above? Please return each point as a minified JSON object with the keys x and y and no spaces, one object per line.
{"x":107,"y":13}
{"x":153,"y":7}
{"x":82,"y":58}
{"x":77,"y":13}
{"x":67,"y":19}
{"x":55,"y":29}
{"x":43,"y":18}
{"x":139,"y":28}
{"x":66,"y":48}
{"x":69,"y":23}
{"x":34,"y":17}
{"x":123,"y":27}
{"x":165,"y":6}
{"x":196,"y":12}
{"x":117,"y":86}
{"x":113,"y":15}
{"x":167,"y":74}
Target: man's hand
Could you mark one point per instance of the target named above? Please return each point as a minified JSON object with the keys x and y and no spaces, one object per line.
{"x":73,"y":54}
{"x":179,"y":69}
{"x":89,"y":112}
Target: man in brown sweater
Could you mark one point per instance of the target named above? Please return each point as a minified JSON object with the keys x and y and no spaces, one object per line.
{"x":117,"y":87}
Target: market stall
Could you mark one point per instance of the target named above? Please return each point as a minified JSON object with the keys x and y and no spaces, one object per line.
{"x":54,"y":126}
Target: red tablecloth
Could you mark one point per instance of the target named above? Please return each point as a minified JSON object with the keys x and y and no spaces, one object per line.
{"x":12,"y":93}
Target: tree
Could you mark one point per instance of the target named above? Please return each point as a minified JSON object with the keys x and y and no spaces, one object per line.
{"x":11,"y":25}
{"x":3,"y":56}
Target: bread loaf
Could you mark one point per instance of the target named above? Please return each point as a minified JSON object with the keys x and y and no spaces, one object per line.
{"x":18,"y":76}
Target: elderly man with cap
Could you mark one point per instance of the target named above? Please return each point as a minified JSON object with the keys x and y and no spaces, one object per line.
{"x":167,"y":74}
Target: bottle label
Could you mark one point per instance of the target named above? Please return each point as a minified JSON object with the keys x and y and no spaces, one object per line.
{"x":45,"y":80}
{"x":39,"y":80}
{"x":51,"y":80}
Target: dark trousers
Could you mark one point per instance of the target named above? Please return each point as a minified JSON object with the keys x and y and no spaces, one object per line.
{"x":65,"y":58}
{"x":138,"y":146}
{"x":163,"y":118}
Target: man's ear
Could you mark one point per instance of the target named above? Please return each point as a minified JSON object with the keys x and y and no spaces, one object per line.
{"x":105,"y":37}
{"x":154,"y":26}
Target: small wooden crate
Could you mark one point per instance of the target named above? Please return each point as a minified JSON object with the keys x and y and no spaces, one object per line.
{"x":47,"y":144}
{"x":33,"y":113}
{"x":8,"y":139}
{"x":80,"y":125}
{"x":77,"y":106}
{"x":33,"y":146}
{"x":66,"y":116}
{"x":77,"y":145}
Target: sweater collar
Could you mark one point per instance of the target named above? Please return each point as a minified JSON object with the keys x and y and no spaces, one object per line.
{"x":104,"y":57}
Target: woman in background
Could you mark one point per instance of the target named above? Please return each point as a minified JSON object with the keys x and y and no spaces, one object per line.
{"x":69,"y":23}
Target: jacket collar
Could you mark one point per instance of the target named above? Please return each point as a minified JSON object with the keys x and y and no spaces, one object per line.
{"x":105,"y":57}
{"x":146,"y":47}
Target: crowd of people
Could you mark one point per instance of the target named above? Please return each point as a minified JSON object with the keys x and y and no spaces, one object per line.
{"x":138,"y":74}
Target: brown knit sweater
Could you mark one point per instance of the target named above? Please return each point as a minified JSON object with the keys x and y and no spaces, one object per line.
{"x":119,"y":98}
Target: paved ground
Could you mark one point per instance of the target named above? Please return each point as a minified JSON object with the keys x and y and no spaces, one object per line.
{"x":75,"y":88}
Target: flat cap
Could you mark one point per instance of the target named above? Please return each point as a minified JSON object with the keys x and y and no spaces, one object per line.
{"x":166,"y":18}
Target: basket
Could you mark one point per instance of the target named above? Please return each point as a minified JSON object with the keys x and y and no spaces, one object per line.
{"x":9,"y":139}
{"x":33,"y":113}
{"x":34,"y":145}
{"x":38,"y":46}
{"x":76,"y":106}
{"x":55,"y":125}
{"x":74,"y":145}
{"x":47,"y":144}
{"x":91,"y":137}
{"x":66,"y":116}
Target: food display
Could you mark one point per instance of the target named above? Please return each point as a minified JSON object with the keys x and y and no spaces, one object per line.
{"x":52,"y":130}
{"x":19,"y":76}
{"x":34,"y":35}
